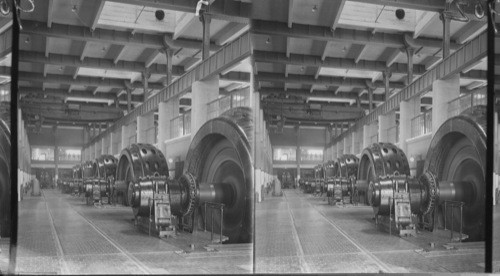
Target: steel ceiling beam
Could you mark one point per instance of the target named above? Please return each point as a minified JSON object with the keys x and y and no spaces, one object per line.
{"x":97,"y":63}
{"x":456,"y":62}
{"x":82,"y":80}
{"x":77,"y":94}
{"x":322,"y":80}
{"x":89,"y":107}
{"x":335,"y":63}
{"x":320,"y":93}
{"x":423,"y":5}
{"x":228,"y":10}
{"x":321,"y":33}
{"x":81,"y":33}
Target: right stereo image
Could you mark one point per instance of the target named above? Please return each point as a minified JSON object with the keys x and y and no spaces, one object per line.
{"x":376,"y":112}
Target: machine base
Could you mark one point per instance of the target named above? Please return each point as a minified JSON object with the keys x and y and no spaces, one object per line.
{"x":147,"y":225}
{"x":388,"y":225}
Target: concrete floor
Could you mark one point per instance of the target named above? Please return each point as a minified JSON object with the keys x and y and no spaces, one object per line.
{"x":299,"y":233}
{"x":4,"y":255}
{"x":59,"y":234}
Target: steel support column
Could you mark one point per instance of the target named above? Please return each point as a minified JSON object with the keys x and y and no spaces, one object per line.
{"x":169,"y":52}
{"x":129,"y":99}
{"x":145,"y":80}
{"x":205,"y":20}
{"x":409,"y":55}
{"x":387,"y":75}
{"x":446,"y":34}
{"x":370,"y":99}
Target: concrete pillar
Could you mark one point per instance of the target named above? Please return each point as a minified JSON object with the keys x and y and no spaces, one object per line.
{"x":407,"y":110}
{"x":112,"y":149}
{"x":443,"y":91}
{"x":346,"y":145}
{"x":366,"y":136}
{"x":354,"y":139}
{"x":202,"y":93}
{"x":104,"y":146}
{"x":124,"y":143}
{"x":97,"y":149}
{"x":385,"y":122}
{"x":144,"y":123}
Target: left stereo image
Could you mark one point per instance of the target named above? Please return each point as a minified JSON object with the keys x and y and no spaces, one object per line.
{"x":135,"y":139}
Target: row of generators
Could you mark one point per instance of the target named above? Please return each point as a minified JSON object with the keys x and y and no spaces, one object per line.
{"x":448,"y":194}
{"x":215,"y":192}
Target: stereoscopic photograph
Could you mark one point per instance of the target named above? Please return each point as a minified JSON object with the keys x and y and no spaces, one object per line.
{"x":249,"y":136}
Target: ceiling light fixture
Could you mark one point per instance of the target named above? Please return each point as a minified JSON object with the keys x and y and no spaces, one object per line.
{"x":74,"y":8}
{"x":27,"y":40}
{"x":344,"y":49}
{"x":315,"y":8}
{"x":268,"y":40}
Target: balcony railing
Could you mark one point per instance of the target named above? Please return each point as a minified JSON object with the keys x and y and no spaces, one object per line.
{"x":460,"y":104}
{"x":219,"y":106}
{"x":393,"y":134}
{"x":180,"y":125}
{"x":421,"y":124}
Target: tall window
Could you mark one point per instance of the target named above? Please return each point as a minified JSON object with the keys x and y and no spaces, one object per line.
{"x":69,"y":154}
{"x":284,"y":154}
{"x":42,"y":153}
{"x":311,"y":154}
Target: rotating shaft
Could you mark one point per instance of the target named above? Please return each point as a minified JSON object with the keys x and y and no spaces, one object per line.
{"x":424,"y":193}
{"x":184,"y":194}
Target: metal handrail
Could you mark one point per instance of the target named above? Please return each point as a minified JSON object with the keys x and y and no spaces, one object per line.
{"x":220,"y":105}
{"x":454,"y":204}
{"x":214,"y":206}
{"x":421,"y":124}
{"x":458,"y":105}
{"x":180,"y":125}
